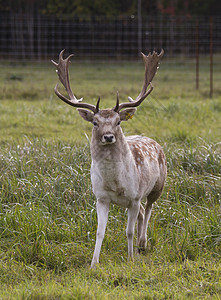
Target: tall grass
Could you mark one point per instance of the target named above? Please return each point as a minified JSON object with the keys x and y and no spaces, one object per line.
{"x":48,"y":218}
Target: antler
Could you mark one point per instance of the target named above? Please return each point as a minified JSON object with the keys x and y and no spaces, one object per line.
{"x":62,"y":71}
{"x":151,"y":62}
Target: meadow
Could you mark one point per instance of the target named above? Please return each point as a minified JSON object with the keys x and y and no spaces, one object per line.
{"x":47,"y":208}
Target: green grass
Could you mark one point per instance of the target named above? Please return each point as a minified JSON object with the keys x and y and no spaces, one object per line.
{"x":47,"y":208}
{"x":174,"y":110}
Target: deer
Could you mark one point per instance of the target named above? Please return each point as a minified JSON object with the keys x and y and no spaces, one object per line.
{"x":124,"y":170}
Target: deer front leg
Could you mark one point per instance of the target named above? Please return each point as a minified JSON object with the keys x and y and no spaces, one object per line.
{"x":102,"y":215}
{"x":133,"y":211}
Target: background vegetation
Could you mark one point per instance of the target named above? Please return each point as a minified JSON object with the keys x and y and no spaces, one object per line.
{"x":47,"y":209}
{"x":81,"y":8}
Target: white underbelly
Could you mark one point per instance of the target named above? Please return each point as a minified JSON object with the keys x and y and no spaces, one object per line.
{"x":120,"y":200}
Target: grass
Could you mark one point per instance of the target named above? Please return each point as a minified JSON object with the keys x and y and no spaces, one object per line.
{"x":47,"y":208}
{"x":29,"y":106}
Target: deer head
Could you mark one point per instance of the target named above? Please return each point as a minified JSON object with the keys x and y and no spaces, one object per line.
{"x":107,"y":122}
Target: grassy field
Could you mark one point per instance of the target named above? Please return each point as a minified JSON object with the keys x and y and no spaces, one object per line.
{"x":47,"y":208}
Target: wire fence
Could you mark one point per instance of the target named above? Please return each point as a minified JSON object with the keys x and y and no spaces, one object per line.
{"x":39,"y":37}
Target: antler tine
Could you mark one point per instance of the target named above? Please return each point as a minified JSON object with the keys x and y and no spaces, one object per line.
{"x":62,"y":71}
{"x":151,"y":62}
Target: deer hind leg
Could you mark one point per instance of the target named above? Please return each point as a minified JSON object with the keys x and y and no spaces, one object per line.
{"x":142,"y":243}
{"x":133,"y":212}
{"x":140,"y":224}
{"x":151,"y":198}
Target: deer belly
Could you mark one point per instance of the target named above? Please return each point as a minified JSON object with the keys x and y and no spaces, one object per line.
{"x":120,"y":200}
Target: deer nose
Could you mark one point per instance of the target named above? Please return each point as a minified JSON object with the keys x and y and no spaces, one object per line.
{"x":109,"y":138}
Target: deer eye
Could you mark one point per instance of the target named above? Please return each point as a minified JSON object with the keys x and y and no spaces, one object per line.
{"x":95,"y":123}
{"x":118,"y":123}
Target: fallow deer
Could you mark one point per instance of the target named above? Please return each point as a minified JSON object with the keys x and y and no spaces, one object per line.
{"x":124,"y":170}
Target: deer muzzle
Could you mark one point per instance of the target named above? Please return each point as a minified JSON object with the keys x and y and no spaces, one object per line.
{"x":108,"y":138}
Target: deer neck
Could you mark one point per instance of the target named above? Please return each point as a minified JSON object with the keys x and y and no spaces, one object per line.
{"x":113,"y":170}
{"x":111,"y":153}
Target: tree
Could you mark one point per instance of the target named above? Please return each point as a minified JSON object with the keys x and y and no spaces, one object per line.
{"x":112,"y":7}
{"x":189,"y":7}
{"x":89,"y":8}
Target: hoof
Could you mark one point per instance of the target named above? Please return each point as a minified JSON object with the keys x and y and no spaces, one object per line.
{"x":141,"y":250}
{"x":142,"y":245}
{"x":94,"y":265}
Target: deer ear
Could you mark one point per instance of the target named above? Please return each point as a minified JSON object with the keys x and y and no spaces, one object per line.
{"x":86,"y":114}
{"x":127,"y":114}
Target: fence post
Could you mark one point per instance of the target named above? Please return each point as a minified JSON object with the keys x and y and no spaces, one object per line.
{"x":197,"y":54}
{"x":211,"y":57}
{"x":139,"y":20}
